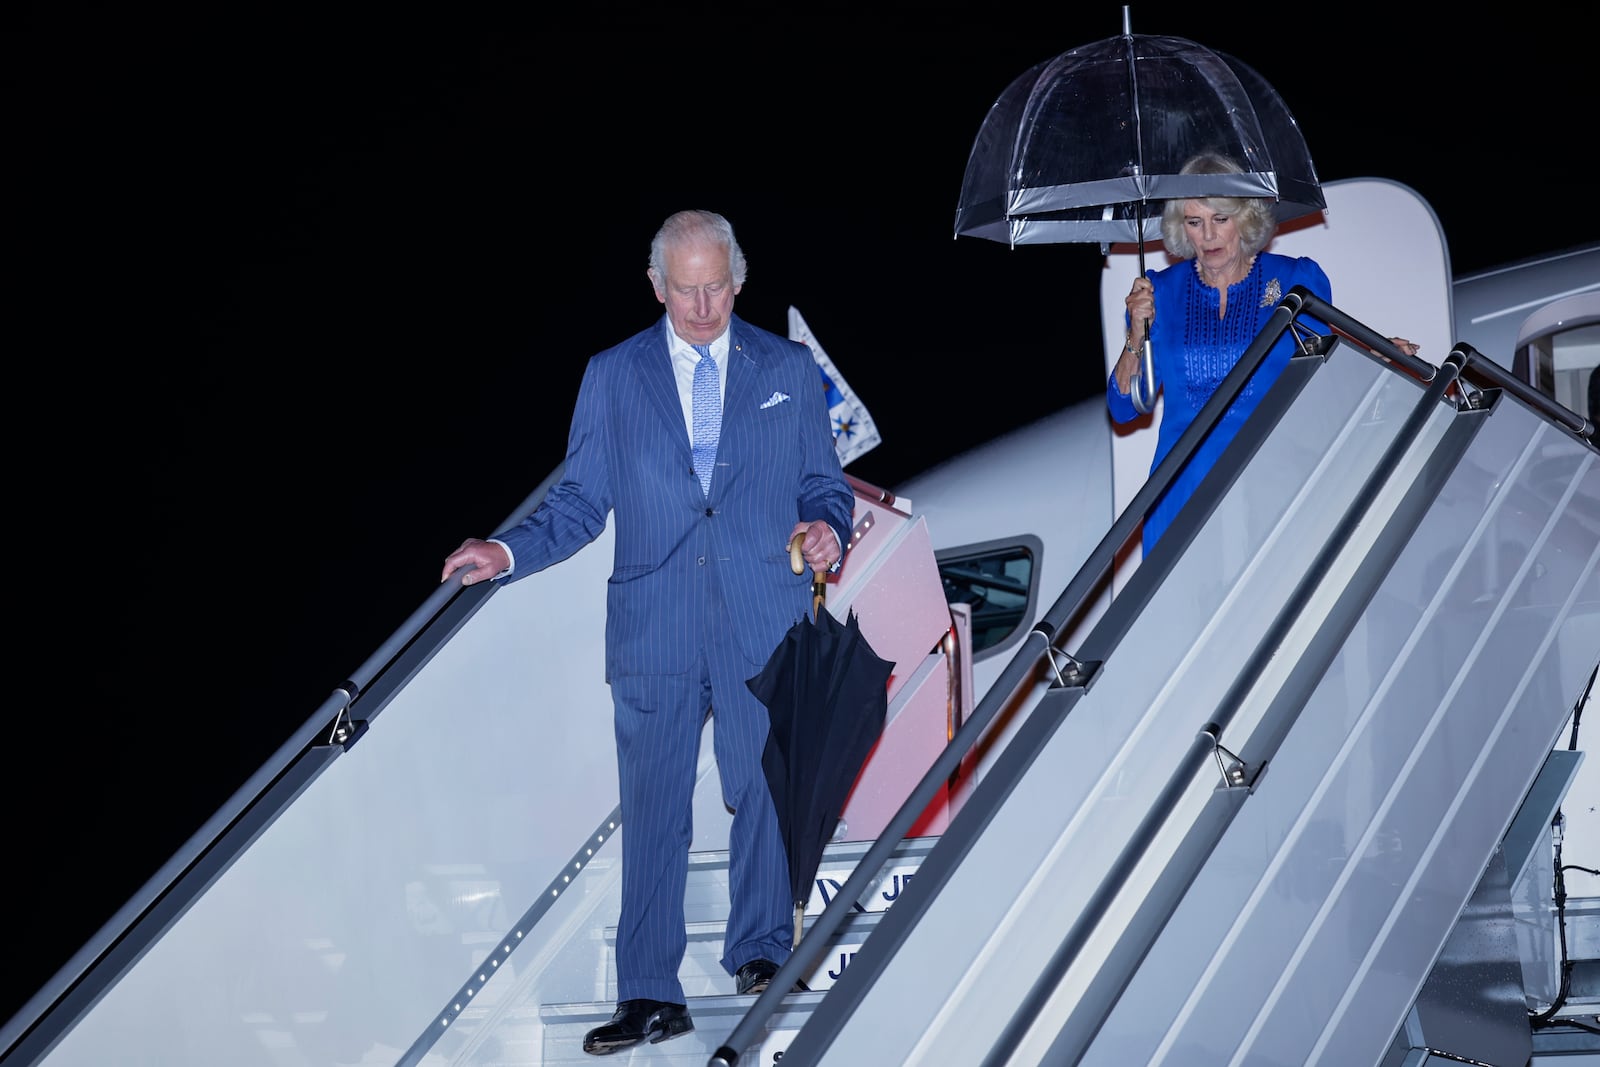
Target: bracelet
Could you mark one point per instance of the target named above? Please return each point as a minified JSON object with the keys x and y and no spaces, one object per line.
{"x":1130,"y":347}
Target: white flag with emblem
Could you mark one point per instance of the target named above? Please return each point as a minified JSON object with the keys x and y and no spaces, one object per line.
{"x":853,"y":429}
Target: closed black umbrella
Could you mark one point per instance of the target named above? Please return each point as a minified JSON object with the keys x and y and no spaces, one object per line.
{"x":826,"y":692}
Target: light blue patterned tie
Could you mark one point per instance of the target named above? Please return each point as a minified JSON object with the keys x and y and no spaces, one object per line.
{"x":707,"y":416}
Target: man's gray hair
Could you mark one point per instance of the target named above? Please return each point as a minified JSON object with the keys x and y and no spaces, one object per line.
{"x":687,"y":227}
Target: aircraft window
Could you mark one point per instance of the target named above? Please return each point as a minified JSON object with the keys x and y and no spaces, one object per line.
{"x":1560,"y":361}
{"x":997,"y":581}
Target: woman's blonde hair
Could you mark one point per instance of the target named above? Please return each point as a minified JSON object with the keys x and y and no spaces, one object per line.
{"x":1252,"y":214}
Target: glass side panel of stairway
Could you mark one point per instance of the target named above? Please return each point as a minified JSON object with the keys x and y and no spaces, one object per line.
{"x":446,"y":889}
{"x":1391,"y":681}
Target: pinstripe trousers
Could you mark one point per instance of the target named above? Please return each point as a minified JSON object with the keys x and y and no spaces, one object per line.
{"x":659,"y":720}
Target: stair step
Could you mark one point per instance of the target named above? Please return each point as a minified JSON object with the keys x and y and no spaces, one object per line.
{"x":551,"y":1032}
{"x":706,"y":908}
{"x":714,"y":1019}
{"x":702,"y":974}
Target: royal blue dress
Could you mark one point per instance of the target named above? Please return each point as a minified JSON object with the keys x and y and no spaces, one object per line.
{"x":1193,"y":350}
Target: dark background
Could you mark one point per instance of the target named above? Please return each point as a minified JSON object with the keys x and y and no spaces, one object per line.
{"x":299,"y":302}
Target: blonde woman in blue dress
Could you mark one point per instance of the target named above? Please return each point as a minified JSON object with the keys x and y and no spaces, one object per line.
{"x":1213,"y":304}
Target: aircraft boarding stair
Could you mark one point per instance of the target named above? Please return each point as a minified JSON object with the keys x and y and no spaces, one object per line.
{"x":1287,"y":800}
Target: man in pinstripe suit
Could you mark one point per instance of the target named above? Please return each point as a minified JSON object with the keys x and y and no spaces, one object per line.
{"x":700,"y":595}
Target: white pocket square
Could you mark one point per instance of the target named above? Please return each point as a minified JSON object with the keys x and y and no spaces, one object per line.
{"x":774,"y":400}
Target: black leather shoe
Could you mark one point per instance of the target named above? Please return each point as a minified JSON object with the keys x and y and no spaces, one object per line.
{"x":755,"y":976}
{"x":636,"y":1020}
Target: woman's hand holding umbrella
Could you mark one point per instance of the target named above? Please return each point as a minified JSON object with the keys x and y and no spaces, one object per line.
{"x":1135,"y":369}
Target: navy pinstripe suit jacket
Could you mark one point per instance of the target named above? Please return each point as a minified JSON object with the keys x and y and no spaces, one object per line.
{"x":628,"y":456}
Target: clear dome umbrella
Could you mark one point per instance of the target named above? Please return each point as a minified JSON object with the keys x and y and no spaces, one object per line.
{"x":1083,"y":148}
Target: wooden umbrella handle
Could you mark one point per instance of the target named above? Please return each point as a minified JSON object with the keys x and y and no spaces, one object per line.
{"x":819,"y":580}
